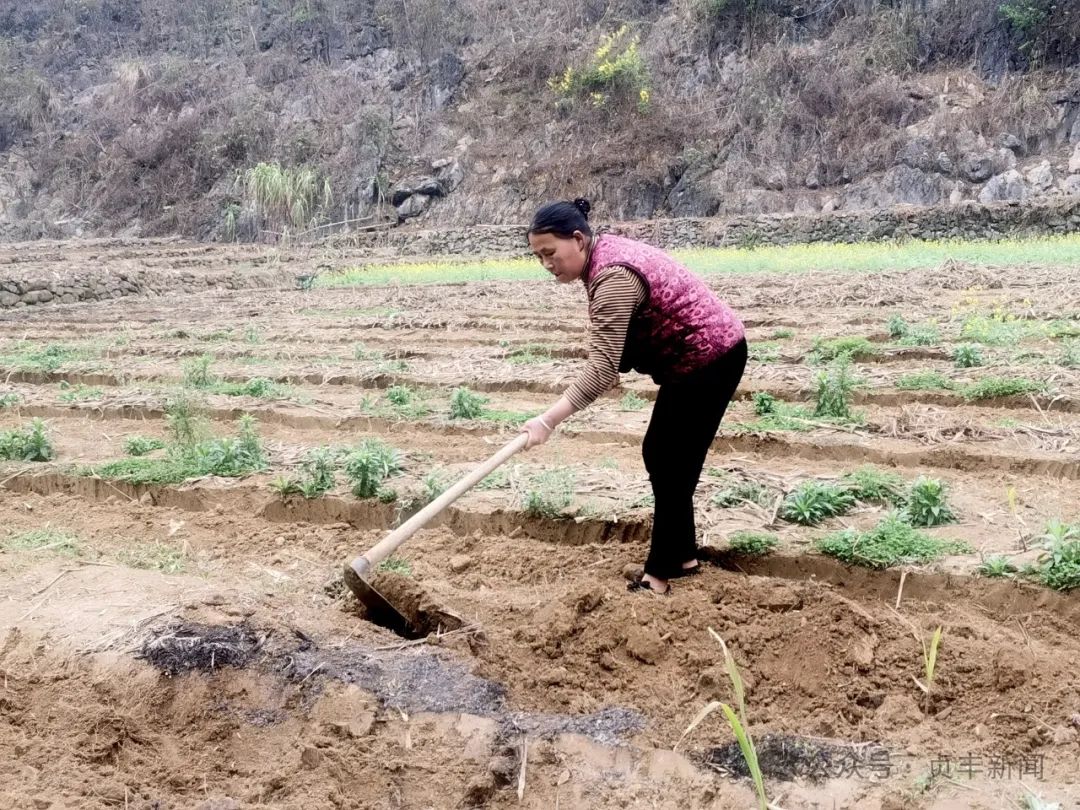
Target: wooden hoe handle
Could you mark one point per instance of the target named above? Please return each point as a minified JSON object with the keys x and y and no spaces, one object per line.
{"x":389,"y":544}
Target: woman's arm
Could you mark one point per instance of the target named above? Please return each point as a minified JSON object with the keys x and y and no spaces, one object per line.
{"x":617,"y":294}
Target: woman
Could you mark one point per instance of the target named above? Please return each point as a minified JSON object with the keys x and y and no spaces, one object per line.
{"x":649,"y":314}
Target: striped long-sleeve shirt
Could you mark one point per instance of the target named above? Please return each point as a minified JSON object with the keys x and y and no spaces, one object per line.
{"x":616,"y":295}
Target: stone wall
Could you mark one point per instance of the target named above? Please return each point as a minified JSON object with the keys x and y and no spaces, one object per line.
{"x":965,"y":221}
{"x":101,"y":285}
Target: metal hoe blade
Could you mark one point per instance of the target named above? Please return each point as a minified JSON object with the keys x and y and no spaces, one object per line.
{"x":379,"y":608}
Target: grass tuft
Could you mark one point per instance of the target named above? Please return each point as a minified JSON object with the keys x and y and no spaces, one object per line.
{"x":549,"y":493}
{"x":753,"y":544}
{"x":814,"y":501}
{"x":892,"y":542}
{"x":466,"y":404}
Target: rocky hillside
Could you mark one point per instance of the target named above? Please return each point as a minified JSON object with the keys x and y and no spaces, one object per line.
{"x":241,"y":119}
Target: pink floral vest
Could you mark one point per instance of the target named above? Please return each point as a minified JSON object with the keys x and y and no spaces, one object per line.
{"x":681,"y":327}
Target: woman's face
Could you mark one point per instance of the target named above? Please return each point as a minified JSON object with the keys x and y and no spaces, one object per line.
{"x":563,"y":258}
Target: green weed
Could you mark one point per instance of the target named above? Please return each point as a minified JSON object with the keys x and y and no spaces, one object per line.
{"x":632,"y":402}
{"x":753,"y":544}
{"x":826,"y":350}
{"x":28,"y":443}
{"x":814,"y":501}
{"x":400,"y":395}
{"x":835,"y":388}
{"x":396,"y":565}
{"x":892,"y":542}
{"x":782,"y":333}
{"x":78,"y":393}
{"x":196,"y":372}
{"x":369,"y":464}
{"x":872,"y":485}
{"x":466,"y":404}
{"x":764,"y":404}
{"x":897,"y":326}
{"x":549,"y":493}
{"x":1070,"y":354}
{"x":742,"y":492}
{"x":154,"y":557}
{"x":997,"y":566}
{"x":1059,"y":564}
{"x":529,"y":355}
{"x":924,"y":335}
{"x":46,"y":539}
{"x":227,"y":457}
{"x":764,"y":352}
{"x":994,"y":387}
{"x":967,"y":356}
{"x":28,"y":355}
{"x":142,"y":445}
{"x":9,"y":401}
{"x":924,"y":381}
{"x":927,"y":503}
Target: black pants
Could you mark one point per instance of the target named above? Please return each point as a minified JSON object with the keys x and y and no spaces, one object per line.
{"x":684,"y":422}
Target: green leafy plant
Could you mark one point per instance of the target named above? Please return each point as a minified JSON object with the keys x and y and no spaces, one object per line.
{"x":185,"y":420}
{"x":736,"y":720}
{"x":874,"y":486}
{"x":967,"y":355}
{"x":369,"y":464}
{"x":997,"y":566}
{"x":814,"y":501}
{"x":783,"y":333}
{"x":142,"y":445}
{"x":924,"y":335}
{"x":740,"y":493}
{"x":924,"y":381}
{"x":835,"y":388}
{"x":927,"y":503}
{"x":9,"y":400}
{"x":466,"y":404}
{"x":892,"y":542}
{"x":897,"y":326}
{"x":28,"y":443}
{"x":930,"y":656}
{"x":994,"y":387}
{"x":764,"y":403}
{"x":826,"y":350}
{"x":400,"y":395}
{"x":632,"y":402}
{"x":196,"y":372}
{"x":549,"y":493}
{"x":317,"y":472}
{"x":753,"y":544}
{"x":285,"y":485}
{"x":1059,"y":563}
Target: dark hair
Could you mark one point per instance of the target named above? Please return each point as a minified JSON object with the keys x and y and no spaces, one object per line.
{"x":563,"y":218}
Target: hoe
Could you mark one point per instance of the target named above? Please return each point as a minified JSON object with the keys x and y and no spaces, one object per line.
{"x":358,"y":573}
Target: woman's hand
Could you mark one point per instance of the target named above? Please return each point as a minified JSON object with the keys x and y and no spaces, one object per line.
{"x":539,"y":431}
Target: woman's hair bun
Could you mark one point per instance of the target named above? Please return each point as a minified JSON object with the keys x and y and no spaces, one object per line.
{"x":584,"y":206}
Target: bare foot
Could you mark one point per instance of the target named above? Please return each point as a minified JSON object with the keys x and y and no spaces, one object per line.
{"x":690,"y":564}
